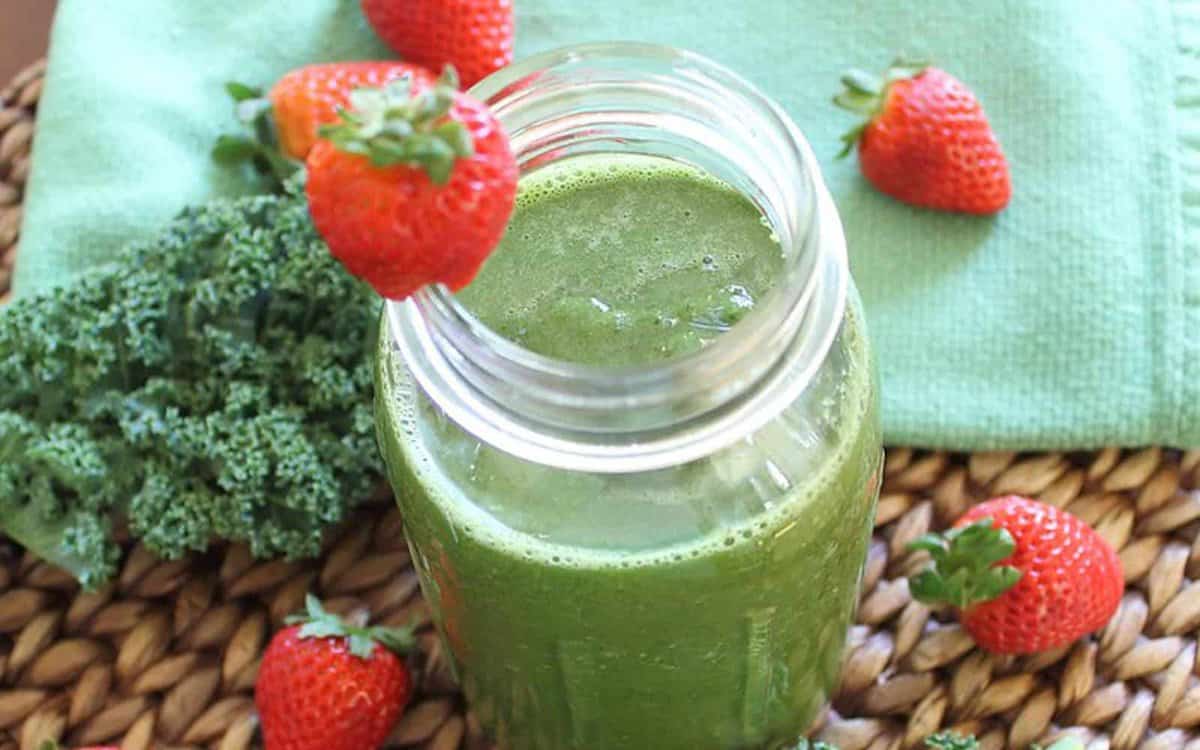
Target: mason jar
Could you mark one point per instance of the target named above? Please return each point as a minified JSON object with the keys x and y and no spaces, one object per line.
{"x":655,"y":555}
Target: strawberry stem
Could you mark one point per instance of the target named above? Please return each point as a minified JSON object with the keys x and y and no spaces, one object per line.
{"x":865,"y":94}
{"x":317,"y":623}
{"x":964,"y":568}
{"x":391,"y":126}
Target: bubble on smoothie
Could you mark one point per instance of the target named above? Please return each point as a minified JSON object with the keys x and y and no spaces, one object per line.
{"x":739,"y":296}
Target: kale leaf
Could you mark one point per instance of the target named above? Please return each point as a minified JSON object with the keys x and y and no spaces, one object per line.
{"x":210,"y":383}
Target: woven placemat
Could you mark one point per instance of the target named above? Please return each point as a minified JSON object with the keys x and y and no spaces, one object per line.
{"x":166,"y":656}
{"x":18,"y":105}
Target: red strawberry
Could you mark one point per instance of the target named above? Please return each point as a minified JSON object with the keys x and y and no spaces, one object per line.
{"x":475,"y":36}
{"x":325,"y":684}
{"x":283,"y":124}
{"x":1026,"y":576}
{"x":412,"y":191}
{"x":926,"y":140}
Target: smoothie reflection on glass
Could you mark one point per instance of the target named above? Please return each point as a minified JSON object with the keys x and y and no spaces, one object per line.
{"x":638,"y":457}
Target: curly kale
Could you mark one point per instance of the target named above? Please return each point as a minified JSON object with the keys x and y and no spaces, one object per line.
{"x":213,"y":382}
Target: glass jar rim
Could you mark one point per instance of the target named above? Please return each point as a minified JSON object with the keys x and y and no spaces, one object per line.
{"x":641,"y":417}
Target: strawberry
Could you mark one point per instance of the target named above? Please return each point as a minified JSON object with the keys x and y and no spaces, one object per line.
{"x":412,"y":191}
{"x":1025,"y":576}
{"x":926,"y":140}
{"x":284,"y":122}
{"x":475,"y":36}
{"x":325,"y":684}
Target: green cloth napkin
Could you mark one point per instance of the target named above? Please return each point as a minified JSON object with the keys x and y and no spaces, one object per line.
{"x":1072,"y":320}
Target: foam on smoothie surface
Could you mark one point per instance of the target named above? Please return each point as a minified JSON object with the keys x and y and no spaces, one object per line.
{"x":660,"y":253}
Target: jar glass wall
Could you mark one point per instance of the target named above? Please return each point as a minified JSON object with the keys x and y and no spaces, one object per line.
{"x":660,"y":554}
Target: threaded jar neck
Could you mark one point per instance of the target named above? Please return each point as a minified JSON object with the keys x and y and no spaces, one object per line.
{"x":653,"y":101}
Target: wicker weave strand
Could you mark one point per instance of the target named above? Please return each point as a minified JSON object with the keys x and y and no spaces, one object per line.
{"x":166,"y":656}
{"x":18,"y":103}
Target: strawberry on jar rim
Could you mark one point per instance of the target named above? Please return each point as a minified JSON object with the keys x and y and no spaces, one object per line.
{"x":412,"y":190}
{"x":926,"y":140}
{"x":475,"y":36}
{"x":1025,"y":576}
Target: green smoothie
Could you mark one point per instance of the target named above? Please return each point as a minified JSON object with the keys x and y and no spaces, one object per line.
{"x":696,"y":607}
{"x":624,"y":260}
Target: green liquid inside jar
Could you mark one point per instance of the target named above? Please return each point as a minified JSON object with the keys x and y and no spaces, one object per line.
{"x":693,"y":607}
{"x":624,"y":260}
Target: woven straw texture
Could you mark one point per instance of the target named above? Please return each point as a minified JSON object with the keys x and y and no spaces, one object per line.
{"x":166,"y":656}
{"x":18,"y":102}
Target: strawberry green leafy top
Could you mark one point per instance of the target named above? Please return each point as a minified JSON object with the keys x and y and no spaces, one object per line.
{"x":392,"y":126}
{"x":964,"y":570}
{"x":317,"y":623}
{"x":865,"y":94}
